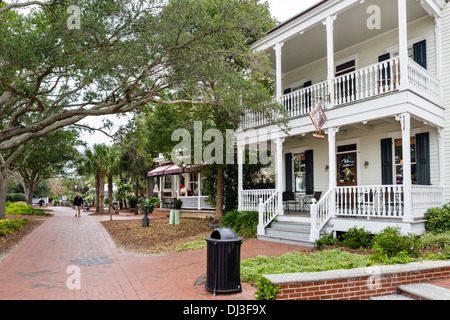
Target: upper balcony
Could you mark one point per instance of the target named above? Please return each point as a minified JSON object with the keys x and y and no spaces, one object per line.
{"x":337,"y":54}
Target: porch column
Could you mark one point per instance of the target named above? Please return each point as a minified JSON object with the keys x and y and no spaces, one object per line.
{"x":160,"y":189}
{"x":279,"y":173}
{"x":438,"y":32}
{"x":405,"y":121}
{"x":332,"y":167}
{"x":240,"y":159}
{"x":279,"y":71}
{"x":403,"y":43}
{"x":329,"y":23}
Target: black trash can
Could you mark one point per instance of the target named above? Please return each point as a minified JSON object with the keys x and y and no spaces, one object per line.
{"x":223,"y":261}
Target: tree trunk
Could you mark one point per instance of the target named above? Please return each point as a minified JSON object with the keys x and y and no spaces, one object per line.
{"x":219,"y":194}
{"x":97,"y":193}
{"x":101,"y":193}
{"x":3,"y":183}
{"x":110,"y":191}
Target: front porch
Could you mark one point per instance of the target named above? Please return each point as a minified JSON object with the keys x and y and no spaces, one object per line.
{"x":386,"y":172}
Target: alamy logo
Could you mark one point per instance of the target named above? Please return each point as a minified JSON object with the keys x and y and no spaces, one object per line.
{"x":74,"y":21}
{"x":374,"y":21}
{"x":74,"y":280}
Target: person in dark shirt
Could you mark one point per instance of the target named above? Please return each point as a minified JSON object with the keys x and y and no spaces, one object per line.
{"x":78,"y":202}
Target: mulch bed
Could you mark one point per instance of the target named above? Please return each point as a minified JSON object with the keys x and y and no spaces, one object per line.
{"x":159,"y":238}
{"x":9,"y":241}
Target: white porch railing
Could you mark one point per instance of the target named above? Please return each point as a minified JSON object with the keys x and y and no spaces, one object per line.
{"x":251,"y":198}
{"x":423,"y":79}
{"x":424,"y":198}
{"x":301,"y":102}
{"x":367,"y":82}
{"x":195,"y":203}
{"x":370,"y":201}
{"x":267,"y":211}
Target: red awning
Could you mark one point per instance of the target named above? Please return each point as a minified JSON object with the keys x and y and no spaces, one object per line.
{"x":158,"y":172}
{"x":174,"y":170}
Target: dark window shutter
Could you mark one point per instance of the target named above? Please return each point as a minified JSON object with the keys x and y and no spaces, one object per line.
{"x":386,"y":162}
{"x":288,"y":172}
{"x":385,"y":74}
{"x":309,"y":171}
{"x":423,"y":158}
{"x":420,"y":53}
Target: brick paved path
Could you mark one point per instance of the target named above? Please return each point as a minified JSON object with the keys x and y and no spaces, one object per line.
{"x":38,"y":267}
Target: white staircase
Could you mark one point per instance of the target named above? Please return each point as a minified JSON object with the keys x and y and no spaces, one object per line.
{"x":289,"y":231}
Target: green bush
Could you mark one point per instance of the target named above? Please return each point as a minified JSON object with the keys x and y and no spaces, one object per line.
{"x":435,"y":240}
{"x":266,"y":290}
{"x":390,"y":242}
{"x":21,"y":208}
{"x":245,"y":223}
{"x":357,"y":238}
{"x":438,"y":219}
{"x":16,"y":197}
{"x":9,"y":226}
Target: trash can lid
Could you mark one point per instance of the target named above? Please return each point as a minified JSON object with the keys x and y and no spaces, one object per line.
{"x":224,"y":234}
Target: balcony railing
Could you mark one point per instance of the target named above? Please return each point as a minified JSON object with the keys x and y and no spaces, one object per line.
{"x":366,"y":83}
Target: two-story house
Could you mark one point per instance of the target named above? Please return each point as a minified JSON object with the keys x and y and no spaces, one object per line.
{"x":377,"y":69}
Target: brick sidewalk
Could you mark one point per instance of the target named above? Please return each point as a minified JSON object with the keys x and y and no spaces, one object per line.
{"x":37,"y":268}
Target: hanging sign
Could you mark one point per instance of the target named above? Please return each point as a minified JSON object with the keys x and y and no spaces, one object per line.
{"x":318,"y":117}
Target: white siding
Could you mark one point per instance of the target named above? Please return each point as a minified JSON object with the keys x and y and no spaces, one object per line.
{"x":445,"y":83}
{"x":369,"y":149}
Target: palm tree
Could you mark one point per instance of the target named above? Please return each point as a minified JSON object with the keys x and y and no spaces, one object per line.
{"x":95,"y":162}
{"x":112,"y":159}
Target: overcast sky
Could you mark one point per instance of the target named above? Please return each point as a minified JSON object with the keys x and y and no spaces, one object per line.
{"x":281,"y":10}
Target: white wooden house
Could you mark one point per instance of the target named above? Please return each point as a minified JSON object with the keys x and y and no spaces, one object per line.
{"x":169,"y":182}
{"x":382,"y":87}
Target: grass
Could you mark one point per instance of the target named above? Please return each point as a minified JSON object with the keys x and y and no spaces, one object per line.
{"x":292,"y":262}
{"x":192,"y":245}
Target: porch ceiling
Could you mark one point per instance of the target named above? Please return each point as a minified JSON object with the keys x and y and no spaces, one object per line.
{"x":350,"y":28}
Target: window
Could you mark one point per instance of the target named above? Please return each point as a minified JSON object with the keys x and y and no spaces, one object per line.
{"x":168,"y":182}
{"x":398,"y":161}
{"x":193,"y":184}
{"x":300,"y":172}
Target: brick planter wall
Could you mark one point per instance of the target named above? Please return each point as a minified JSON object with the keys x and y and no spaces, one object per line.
{"x":356,"y":284}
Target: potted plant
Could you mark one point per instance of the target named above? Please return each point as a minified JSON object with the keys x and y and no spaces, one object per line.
{"x":154,"y":202}
{"x":178,"y":203}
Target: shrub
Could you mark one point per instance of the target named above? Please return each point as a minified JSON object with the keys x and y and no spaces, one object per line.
{"x":390,"y":242}
{"x":325,"y":241}
{"x":438,"y":219}
{"x":9,"y":226}
{"x":266,"y":290}
{"x":356,"y":238}
{"x":229,"y":219}
{"x":245,"y":223}
{"x":16,"y":197}
{"x":435,"y":240}
{"x":24,"y":209}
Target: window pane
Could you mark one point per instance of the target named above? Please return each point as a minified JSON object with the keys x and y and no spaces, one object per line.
{"x":300,"y":185}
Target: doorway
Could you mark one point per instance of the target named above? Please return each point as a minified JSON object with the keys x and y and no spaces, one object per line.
{"x":347,"y":172}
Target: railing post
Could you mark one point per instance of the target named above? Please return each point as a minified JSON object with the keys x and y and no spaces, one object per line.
{"x":261,"y":208}
{"x":314,"y":210}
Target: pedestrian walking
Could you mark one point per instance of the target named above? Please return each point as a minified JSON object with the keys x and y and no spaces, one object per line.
{"x":78,"y":202}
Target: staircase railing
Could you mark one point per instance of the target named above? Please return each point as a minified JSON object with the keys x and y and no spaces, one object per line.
{"x":321,"y":212}
{"x":267,"y":211}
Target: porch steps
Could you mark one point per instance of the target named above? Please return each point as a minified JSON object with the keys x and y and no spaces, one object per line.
{"x":289,"y":232}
